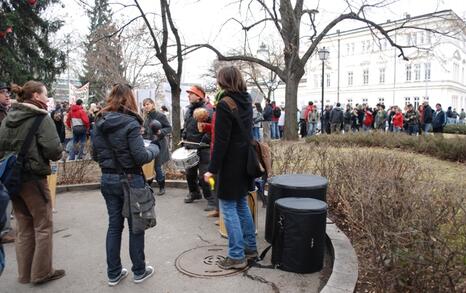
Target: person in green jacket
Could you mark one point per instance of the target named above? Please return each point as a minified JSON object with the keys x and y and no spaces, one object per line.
{"x":32,"y":206}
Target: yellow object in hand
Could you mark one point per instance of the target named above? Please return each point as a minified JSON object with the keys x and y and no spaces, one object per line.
{"x":212,"y":183}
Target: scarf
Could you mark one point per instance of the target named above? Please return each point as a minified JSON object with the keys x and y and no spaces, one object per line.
{"x":37,"y":103}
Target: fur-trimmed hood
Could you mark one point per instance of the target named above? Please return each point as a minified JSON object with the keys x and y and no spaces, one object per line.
{"x":19,"y":112}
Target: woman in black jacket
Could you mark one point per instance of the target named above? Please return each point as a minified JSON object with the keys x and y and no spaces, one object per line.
{"x":228,"y":163}
{"x":164,"y":155}
{"x":118,"y":133}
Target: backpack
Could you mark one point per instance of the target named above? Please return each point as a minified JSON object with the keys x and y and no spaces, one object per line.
{"x":277,"y":112}
{"x":11,"y":166}
{"x":259,"y":161}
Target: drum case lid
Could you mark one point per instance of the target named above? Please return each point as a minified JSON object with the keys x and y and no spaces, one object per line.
{"x":300,"y":204}
{"x":299,"y":181}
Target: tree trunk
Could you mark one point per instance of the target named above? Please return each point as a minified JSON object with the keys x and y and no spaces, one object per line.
{"x":176,"y":127}
{"x":291,"y":106}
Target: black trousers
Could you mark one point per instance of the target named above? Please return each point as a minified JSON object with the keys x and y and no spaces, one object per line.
{"x":195,"y":175}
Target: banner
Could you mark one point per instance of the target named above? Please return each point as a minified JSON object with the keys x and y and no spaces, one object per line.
{"x":79,"y":93}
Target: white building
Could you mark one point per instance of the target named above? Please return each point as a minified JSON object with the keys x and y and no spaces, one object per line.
{"x":363,"y":69}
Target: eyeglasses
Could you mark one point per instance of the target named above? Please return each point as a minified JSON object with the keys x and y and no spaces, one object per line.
{"x":123,"y":84}
{"x":5,"y":92}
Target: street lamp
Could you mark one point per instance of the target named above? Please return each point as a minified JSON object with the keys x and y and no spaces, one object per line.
{"x":323,"y":55}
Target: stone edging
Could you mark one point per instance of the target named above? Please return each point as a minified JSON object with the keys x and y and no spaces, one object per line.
{"x":345,"y":262}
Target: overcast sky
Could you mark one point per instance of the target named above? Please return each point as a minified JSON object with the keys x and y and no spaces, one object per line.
{"x":199,"y":21}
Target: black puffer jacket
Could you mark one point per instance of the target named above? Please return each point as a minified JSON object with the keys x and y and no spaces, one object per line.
{"x":190,"y":131}
{"x":164,"y":155}
{"x":124,"y":133}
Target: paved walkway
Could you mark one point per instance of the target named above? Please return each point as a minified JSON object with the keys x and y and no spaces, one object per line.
{"x":79,"y":248}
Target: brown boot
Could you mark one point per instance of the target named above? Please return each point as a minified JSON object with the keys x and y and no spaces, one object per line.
{"x":8,"y":238}
{"x":213,"y":214}
{"x":57,"y":274}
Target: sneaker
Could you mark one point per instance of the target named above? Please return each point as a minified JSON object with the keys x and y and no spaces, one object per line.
{"x":117,"y":280}
{"x":251,"y":254}
{"x":192,"y":196}
{"x":57,"y":274}
{"x":147,"y":274}
{"x":229,"y":263}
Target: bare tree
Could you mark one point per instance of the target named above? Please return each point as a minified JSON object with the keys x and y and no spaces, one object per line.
{"x":288,"y":20}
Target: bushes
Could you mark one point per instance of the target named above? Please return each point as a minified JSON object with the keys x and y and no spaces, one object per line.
{"x":453,"y":149}
{"x":455,"y":128}
{"x":408,"y":229}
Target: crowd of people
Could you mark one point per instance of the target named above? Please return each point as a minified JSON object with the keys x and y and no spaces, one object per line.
{"x":122,"y":142}
{"x":361,"y":117}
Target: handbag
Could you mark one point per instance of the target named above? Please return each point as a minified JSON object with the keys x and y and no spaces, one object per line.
{"x":259,"y":161}
{"x":139,"y":203}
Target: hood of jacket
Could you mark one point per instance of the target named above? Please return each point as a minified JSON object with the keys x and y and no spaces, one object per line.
{"x":242,"y":99}
{"x":111,"y":121}
{"x":19,"y":112}
{"x":76,"y":108}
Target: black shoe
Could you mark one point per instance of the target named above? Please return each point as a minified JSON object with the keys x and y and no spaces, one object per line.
{"x":192,"y":196}
{"x":57,"y":274}
{"x":161,"y":188}
{"x":117,"y":280}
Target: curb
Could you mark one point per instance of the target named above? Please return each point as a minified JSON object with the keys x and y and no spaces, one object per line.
{"x":344,"y":274}
{"x":345,"y":262}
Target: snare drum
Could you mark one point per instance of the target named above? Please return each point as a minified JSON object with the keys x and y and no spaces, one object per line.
{"x":185,"y":158}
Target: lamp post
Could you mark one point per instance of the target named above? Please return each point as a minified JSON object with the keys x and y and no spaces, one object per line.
{"x":323,"y":55}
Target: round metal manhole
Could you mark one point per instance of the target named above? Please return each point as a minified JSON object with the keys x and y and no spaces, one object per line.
{"x":201,"y":262}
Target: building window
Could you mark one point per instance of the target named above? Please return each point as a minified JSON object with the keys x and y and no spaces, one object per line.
{"x":365,"y":76}
{"x":425,"y":98}
{"x":352,"y":48}
{"x":456,"y":71}
{"x":382,"y":101}
{"x":408,"y":72}
{"x":363,"y":47}
{"x":427,"y":71}
{"x":416,"y":102}
{"x":382,"y":75}
{"x":364,"y":101}
{"x":350,"y":78}
{"x":328,"y":79}
{"x":407,"y":100}
{"x":316,"y":80}
{"x":350,"y":102}
{"x":417,"y":71}
{"x":421,"y":38}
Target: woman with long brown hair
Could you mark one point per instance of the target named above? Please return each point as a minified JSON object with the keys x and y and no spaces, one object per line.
{"x":118,"y":135}
{"x":32,"y":205}
{"x":228,"y":163}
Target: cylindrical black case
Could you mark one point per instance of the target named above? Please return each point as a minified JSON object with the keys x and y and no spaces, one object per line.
{"x":298,"y":244}
{"x":296,"y":185}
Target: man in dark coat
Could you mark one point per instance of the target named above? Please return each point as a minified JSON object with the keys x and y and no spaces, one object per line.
{"x":57,"y":116}
{"x":439,"y":120}
{"x":428,"y":115}
{"x":5,"y":101}
{"x":191,"y":133}
{"x":336,"y":119}
{"x":161,"y":135}
{"x":266,"y":124}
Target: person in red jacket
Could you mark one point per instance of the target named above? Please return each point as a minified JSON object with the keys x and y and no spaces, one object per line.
{"x":368,"y":119}
{"x":78,"y":121}
{"x":398,"y":120}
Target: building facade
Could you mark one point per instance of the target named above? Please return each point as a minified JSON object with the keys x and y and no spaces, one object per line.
{"x":364,"y":68}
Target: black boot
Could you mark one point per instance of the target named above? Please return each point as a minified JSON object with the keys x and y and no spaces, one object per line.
{"x":161,"y":187}
{"x":192,"y":196}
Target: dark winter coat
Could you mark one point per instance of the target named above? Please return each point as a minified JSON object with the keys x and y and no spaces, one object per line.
{"x":230,"y":150}
{"x":268,"y":112}
{"x":164,"y":155}
{"x":439,"y":119}
{"x":45,"y":147}
{"x":336,"y":116}
{"x":428,"y":114}
{"x":57,"y":116}
{"x":190,"y":131}
{"x":124,"y":133}
{"x":2,"y":113}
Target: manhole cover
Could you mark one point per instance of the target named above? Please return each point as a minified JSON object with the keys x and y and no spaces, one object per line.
{"x":202,"y":261}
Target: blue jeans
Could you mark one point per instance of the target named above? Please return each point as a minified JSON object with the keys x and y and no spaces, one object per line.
{"x":112,"y":192}
{"x":240,"y":226}
{"x":311,"y":129}
{"x":78,"y":137}
{"x":427,"y":128}
{"x":256,"y":133}
{"x":4,"y":200}
{"x":159,"y":174}
{"x":413,"y":129}
{"x":274,"y":130}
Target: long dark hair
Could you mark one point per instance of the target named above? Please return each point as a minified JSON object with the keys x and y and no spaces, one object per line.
{"x":229,"y":78}
{"x":26,"y":91}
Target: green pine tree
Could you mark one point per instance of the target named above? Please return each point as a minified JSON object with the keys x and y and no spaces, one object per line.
{"x":25,"y":49}
{"x":103,"y":57}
